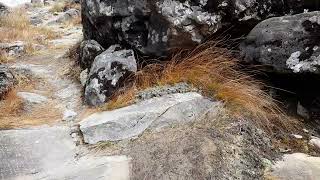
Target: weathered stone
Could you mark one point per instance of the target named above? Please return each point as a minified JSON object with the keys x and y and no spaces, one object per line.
{"x":297,"y":166}
{"x":7,"y":80}
{"x":13,"y":49}
{"x":88,"y":51}
{"x":315,"y":141}
{"x":289,"y":44}
{"x":65,"y":16}
{"x":32,"y":98}
{"x":302,"y":111}
{"x":163,"y":90}
{"x":155,"y":27}
{"x":155,"y":113}
{"x":108,"y":72}
{"x":50,"y":153}
{"x":69,"y":115}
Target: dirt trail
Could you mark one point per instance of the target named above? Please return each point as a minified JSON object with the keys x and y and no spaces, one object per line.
{"x":49,"y":151}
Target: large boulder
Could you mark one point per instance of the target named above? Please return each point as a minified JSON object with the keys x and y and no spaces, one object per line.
{"x":89,"y":50}
{"x":154,"y":113}
{"x":7,"y":80}
{"x":108,"y":72}
{"x":155,"y":27}
{"x":289,"y":44}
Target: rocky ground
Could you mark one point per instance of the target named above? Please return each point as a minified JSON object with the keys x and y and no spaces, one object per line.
{"x":169,"y":132}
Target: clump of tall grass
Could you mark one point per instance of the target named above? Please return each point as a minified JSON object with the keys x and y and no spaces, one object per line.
{"x":216,"y":73}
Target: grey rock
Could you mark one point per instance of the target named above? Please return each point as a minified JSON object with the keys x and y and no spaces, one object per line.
{"x":14,"y":49}
{"x":297,"y":166}
{"x":155,"y":27}
{"x":50,"y":153}
{"x":89,"y":50}
{"x":32,"y":98}
{"x":7,"y":80}
{"x":108,"y":72}
{"x":69,"y":115}
{"x":302,"y":111}
{"x":315,"y":141}
{"x":164,"y":90}
{"x":65,"y":16}
{"x":154,"y":114}
{"x":289,"y":44}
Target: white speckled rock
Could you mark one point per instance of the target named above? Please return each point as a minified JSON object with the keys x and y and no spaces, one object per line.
{"x":155,"y":113}
{"x":108,"y":72}
{"x":155,"y":27}
{"x":288,"y":44}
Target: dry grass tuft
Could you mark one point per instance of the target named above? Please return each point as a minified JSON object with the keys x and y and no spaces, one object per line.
{"x":57,"y":7}
{"x":121,"y":99}
{"x":76,"y":21}
{"x":73,"y":71}
{"x":16,"y":27}
{"x":13,"y":115}
{"x":215,"y":72}
{"x":62,"y":5}
{"x":4,"y":58}
{"x":11,"y":105}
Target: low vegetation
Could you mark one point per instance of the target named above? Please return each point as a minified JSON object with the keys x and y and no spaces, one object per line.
{"x":17,"y":27}
{"x":215,"y":72}
{"x":13,"y":114}
{"x":63,"y":5}
{"x":12,"y":107}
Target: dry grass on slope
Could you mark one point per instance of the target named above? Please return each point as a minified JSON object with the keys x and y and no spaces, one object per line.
{"x":215,"y":72}
{"x":17,"y":27}
{"x":63,"y":5}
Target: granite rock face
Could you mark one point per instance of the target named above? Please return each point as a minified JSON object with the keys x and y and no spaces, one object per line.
{"x":153,"y":114}
{"x":289,"y":44}
{"x":156,"y":27}
{"x":108,"y":72}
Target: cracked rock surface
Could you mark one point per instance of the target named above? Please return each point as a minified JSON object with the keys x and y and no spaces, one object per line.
{"x":155,"y":113}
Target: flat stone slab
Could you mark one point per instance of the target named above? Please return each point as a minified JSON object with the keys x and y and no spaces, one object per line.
{"x":32,"y":98}
{"x":155,"y":113}
{"x":297,"y":166}
{"x":50,"y":153}
{"x":30,"y":151}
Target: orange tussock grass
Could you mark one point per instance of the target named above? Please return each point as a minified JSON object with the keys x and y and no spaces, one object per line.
{"x":120,"y":99}
{"x":215,"y":72}
{"x":16,"y":27}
